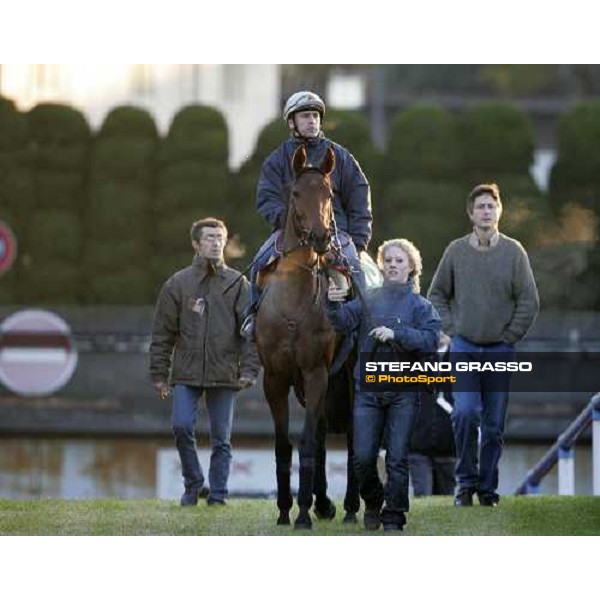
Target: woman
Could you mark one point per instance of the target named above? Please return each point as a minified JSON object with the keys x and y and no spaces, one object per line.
{"x":392,"y":318}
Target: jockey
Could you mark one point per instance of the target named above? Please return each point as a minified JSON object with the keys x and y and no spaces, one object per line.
{"x":304,"y":112}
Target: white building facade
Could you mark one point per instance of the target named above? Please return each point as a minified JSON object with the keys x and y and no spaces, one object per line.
{"x":247,"y":95}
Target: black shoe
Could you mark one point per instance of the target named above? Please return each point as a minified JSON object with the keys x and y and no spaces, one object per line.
{"x":464,"y":497}
{"x":372,"y":519}
{"x":392,"y":527}
{"x":192,"y":493}
{"x":489,"y":499}
{"x":216,"y":502}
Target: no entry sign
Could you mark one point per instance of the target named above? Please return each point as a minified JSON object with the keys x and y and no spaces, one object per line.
{"x":37,"y":354}
{"x":8,"y":247}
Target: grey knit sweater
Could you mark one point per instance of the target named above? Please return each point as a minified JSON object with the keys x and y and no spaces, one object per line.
{"x":485,"y":297}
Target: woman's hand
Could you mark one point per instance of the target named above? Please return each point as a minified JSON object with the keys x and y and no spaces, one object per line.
{"x":336,"y":294}
{"x":383,"y":334}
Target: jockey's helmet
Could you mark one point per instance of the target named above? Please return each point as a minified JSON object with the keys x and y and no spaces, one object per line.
{"x":304,"y":100}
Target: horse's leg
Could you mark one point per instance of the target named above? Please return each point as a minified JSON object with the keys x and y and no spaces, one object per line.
{"x":276,"y":392}
{"x":315,"y":386}
{"x":324,"y":507}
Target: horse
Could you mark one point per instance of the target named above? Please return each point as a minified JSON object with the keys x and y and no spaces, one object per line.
{"x":296,"y":343}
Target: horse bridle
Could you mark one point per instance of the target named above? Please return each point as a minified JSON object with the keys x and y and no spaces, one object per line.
{"x":306,"y":236}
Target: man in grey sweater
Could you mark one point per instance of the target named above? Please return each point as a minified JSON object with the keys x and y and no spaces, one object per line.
{"x":486,"y":295}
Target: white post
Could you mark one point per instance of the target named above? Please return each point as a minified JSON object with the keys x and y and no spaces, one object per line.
{"x":566,"y":472}
{"x":596,"y":451}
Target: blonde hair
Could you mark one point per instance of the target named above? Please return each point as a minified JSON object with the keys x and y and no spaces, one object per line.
{"x":414,"y":257}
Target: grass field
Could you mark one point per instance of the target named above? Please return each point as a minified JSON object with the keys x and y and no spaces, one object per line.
{"x":543,"y":515}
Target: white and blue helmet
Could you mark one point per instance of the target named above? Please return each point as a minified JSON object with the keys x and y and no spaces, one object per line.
{"x":304,"y":100}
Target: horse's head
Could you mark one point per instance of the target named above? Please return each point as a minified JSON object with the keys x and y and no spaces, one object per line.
{"x":310,"y":209}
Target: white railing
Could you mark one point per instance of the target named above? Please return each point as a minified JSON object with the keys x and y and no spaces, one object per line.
{"x":563,"y":452}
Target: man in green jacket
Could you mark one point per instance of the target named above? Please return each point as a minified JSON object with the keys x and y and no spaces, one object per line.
{"x":195,"y":337}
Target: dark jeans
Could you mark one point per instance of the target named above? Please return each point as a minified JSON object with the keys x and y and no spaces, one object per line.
{"x":480,"y":401}
{"x":432,"y":475}
{"x":220,"y":403}
{"x":375,"y":416}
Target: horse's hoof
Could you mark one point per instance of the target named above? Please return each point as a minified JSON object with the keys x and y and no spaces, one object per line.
{"x":350,"y":518}
{"x":284,"y":519}
{"x":328,"y":513}
{"x":303,"y":524}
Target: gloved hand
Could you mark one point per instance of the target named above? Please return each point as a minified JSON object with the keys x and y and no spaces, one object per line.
{"x":382,"y":333}
{"x":246,"y":382}
{"x":336,"y":294}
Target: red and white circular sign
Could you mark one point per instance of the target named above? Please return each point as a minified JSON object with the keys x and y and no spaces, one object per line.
{"x":37,"y":353}
{"x":8,"y":247}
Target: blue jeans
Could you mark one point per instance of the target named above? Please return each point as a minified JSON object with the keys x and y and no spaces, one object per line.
{"x":220,"y":403}
{"x":385,"y":417}
{"x":267,"y":251}
{"x":480,"y":401}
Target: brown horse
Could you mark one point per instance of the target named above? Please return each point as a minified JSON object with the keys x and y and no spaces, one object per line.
{"x":295,"y":340}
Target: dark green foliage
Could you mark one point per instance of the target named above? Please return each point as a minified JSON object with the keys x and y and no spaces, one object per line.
{"x":128,"y":122}
{"x":59,"y":137}
{"x":196,"y":133}
{"x":13,"y":128}
{"x":193,"y":182}
{"x":54,"y":235}
{"x":50,"y":282}
{"x":496,"y":137}
{"x":269,"y":138}
{"x":119,"y":215}
{"x":57,"y":125}
{"x":128,"y":160}
{"x":117,"y":209}
{"x":116,"y":252}
{"x":424,"y":145}
{"x":562,"y":276}
{"x":60,"y":189}
{"x":121,"y":285}
{"x":428,"y":214}
{"x":576,"y":174}
{"x":54,"y":195}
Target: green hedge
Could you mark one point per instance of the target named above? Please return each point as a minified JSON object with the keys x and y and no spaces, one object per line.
{"x":14,"y":135}
{"x":128,"y":122}
{"x":426,"y":213}
{"x":495,"y":138}
{"x":196,"y":133}
{"x":50,"y":282}
{"x":60,"y":137}
{"x":424,"y":144}
{"x":575,"y":176}
{"x":119,"y":215}
{"x":123,"y":285}
{"x":193,"y":181}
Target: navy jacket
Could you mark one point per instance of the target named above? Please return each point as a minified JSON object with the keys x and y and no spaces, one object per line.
{"x":413,"y":319}
{"x":351,"y":193}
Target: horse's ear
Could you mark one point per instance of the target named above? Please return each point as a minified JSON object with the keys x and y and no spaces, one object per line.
{"x":299,"y":160}
{"x":328,"y":163}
